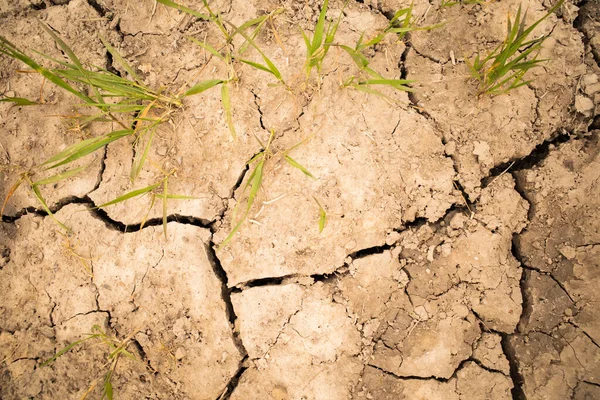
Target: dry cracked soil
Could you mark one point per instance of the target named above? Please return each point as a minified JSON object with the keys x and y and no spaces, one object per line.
{"x":461,"y":255}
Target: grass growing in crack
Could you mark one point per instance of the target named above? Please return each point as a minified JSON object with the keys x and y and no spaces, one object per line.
{"x":402,"y":23}
{"x":504,"y":68}
{"x":317,"y":48}
{"x":116,"y":348}
{"x":140,"y":110}
{"x":127,"y":102}
{"x":255,"y":182}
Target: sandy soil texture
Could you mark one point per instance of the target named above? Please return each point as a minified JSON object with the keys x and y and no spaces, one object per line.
{"x":461,"y":255}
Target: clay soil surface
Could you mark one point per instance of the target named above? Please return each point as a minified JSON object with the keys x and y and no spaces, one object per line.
{"x":461,"y":255}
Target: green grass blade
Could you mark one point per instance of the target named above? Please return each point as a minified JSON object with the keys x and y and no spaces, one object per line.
{"x":19,"y":101}
{"x":208,"y":48}
{"x":255,"y":182}
{"x":322,"y":216}
{"x":295,"y":164}
{"x":129,"y":195}
{"x":117,"y":56}
{"x":317,"y":40}
{"x":333,"y":28}
{"x":256,"y":65}
{"x":42,"y":201}
{"x":202,"y":86}
{"x":227,"y":107}
{"x":399,"y":14}
{"x":272,"y":68}
{"x":359,"y":59}
{"x":108,"y":389}
{"x":59,"y":177}
{"x":84,"y":148}
{"x":67,"y":50}
{"x":9,"y":49}
{"x":369,"y":90}
{"x":396,"y":83}
{"x":137,"y":167}
{"x":66,"y":349}
{"x":306,"y":42}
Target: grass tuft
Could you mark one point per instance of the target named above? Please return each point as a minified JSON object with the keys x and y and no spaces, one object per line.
{"x":504,"y":68}
{"x":129,"y":103}
{"x":116,"y":348}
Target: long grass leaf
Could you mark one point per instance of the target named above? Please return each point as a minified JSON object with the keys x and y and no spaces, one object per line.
{"x":117,"y":56}
{"x":19,"y":101}
{"x":108,"y":389}
{"x":137,"y":167}
{"x":317,"y":40}
{"x":359,"y":59}
{"x":84,"y":148}
{"x":202,"y":86}
{"x":322,"y":216}
{"x":9,"y":49}
{"x":256,"y":65}
{"x":42,"y":201}
{"x":129,"y":195}
{"x":181,"y":197}
{"x":61,"y":176}
{"x":295,"y":164}
{"x":67,"y":50}
{"x":208,"y":48}
{"x":66,"y":349}
{"x":272,"y":68}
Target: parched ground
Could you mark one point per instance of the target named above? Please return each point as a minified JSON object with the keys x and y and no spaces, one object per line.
{"x":461,"y":255}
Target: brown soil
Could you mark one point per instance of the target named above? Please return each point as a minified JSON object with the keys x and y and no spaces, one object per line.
{"x":461,"y":255}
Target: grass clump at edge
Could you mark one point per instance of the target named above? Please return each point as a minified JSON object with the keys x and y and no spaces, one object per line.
{"x":504,"y":68}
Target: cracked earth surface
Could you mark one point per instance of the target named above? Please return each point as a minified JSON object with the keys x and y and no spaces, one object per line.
{"x":460,"y":259}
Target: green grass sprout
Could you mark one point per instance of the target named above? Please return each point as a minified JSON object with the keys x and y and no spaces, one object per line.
{"x":254,"y":184}
{"x":318,"y":47}
{"x":128,"y":102}
{"x":116,"y":350}
{"x":503,"y":69}
{"x":154,"y":191}
{"x":322,"y":216}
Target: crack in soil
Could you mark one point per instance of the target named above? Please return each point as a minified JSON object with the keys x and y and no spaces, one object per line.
{"x":517,"y":391}
{"x":454,"y":375}
{"x":225,"y":294}
{"x":221,"y":275}
{"x":102,"y":169}
{"x":585,"y":333}
{"x":534,"y":158}
{"x":234,"y":381}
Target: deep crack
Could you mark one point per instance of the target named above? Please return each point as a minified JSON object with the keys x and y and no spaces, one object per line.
{"x":225,"y":294}
{"x":515,"y":375}
{"x":234,"y":381}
